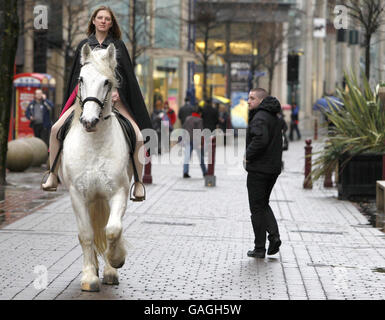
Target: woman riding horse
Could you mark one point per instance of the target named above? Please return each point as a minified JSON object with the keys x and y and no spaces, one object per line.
{"x":103,"y":29}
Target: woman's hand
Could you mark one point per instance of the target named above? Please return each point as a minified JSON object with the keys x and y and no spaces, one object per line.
{"x":115,"y":96}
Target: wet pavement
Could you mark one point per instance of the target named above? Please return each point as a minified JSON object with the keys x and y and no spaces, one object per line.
{"x":188,"y":241}
{"x":369,"y":209}
{"x":22,"y":195}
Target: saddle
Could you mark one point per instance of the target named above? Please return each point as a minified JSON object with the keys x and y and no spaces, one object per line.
{"x":128,"y":130}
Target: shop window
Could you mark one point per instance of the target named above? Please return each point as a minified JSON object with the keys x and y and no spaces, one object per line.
{"x":166,"y":81}
{"x":241,"y":48}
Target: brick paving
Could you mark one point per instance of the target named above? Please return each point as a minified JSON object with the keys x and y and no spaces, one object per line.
{"x":188,"y":241}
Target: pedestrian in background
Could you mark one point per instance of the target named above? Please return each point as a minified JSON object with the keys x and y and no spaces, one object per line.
{"x":158,"y":119}
{"x":193,"y":122}
{"x":209,"y":116}
{"x":263,"y":163}
{"x":185,"y":111}
{"x":285,"y":140}
{"x":223,"y":117}
{"x":294,"y":121}
{"x":170,"y":114}
{"x":39,"y":113}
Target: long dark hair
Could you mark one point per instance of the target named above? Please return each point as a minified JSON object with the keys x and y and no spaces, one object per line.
{"x":114,"y":30}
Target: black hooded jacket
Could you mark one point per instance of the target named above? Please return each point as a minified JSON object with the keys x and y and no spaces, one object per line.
{"x":264,"y":138}
{"x":129,"y":90}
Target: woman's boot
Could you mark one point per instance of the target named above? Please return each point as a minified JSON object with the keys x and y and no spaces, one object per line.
{"x":139,"y":160}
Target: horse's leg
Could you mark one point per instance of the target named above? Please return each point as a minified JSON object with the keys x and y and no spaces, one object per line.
{"x":110,"y":274}
{"x":90,"y":279}
{"x":116,"y":252}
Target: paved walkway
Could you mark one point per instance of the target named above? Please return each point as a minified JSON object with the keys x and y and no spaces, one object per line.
{"x":188,"y":241}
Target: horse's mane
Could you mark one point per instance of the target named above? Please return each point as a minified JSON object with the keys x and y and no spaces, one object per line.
{"x":98,"y":60}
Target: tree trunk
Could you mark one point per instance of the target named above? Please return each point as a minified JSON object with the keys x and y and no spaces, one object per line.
{"x":205,"y":64}
{"x":9,"y":34}
{"x":204,"y":88}
{"x":367,"y":55}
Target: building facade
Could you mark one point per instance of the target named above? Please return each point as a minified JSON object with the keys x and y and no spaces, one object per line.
{"x":247,"y":45}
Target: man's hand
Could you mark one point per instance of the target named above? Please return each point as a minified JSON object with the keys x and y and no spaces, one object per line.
{"x":244,"y":163}
{"x":44,"y":96}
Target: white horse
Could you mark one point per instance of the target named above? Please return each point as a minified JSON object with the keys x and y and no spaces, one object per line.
{"x":95,"y":168}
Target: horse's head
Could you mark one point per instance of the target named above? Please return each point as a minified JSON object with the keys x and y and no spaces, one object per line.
{"x":96,"y":81}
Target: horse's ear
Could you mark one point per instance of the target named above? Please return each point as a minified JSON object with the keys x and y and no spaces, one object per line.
{"x":111,"y":56}
{"x":85,"y":53}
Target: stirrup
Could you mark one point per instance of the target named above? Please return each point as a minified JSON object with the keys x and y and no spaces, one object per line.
{"x":137,"y":199}
{"x":49,"y":189}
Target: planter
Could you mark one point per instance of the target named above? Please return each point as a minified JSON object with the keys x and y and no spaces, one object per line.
{"x":358,"y":178}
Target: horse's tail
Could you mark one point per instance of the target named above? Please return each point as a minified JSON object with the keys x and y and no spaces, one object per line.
{"x":99,"y":214}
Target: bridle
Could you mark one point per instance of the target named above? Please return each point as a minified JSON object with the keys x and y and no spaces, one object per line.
{"x":94,"y":99}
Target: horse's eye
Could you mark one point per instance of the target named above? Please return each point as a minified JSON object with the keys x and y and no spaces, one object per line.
{"x":106,"y":82}
{"x":81,"y":79}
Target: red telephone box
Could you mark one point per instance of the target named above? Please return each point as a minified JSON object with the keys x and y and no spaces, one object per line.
{"x":25,"y":85}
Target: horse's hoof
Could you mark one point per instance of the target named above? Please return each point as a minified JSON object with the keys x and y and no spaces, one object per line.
{"x":110,"y":279}
{"x":117,"y":264}
{"x":91,"y":287}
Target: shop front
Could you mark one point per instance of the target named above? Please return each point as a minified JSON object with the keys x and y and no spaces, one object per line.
{"x":25,"y":85}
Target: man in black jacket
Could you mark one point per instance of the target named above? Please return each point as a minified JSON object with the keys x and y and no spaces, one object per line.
{"x":185,"y":111}
{"x":210,"y":116}
{"x":263,"y":164}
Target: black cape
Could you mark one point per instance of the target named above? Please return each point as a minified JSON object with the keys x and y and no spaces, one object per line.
{"x":129,"y":90}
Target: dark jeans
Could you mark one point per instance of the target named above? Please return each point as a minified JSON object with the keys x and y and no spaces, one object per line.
{"x":187,"y":156}
{"x":294,"y":127}
{"x":40,"y":132}
{"x":259,"y":187}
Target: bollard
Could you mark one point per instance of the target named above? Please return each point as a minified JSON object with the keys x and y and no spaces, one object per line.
{"x":315,"y":129}
{"x":328,"y":183}
{"x":308,"y":184}
{"x":210,"y":179}
{"x":147,"y":178}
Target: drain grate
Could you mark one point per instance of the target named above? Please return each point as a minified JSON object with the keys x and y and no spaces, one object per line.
{"x":170,"y":223}
{"x":319,"y":232}
{"x":321,"y":265}
{"x":188,"y":190}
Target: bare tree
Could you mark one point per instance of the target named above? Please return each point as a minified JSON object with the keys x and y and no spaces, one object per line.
{"x":273,"y":38}
{"x":9,"y":31}
{"x":268,"y":39}
{"x":369,"y":15}
{"x":266,"y":35}
{"x":75,"y":17}
{"x":206,"y":22}
{"x":67,"y":26}
{"x":137,"y":31}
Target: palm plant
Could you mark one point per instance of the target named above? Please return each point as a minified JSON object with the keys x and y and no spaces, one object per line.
{"x":359,"y":127}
